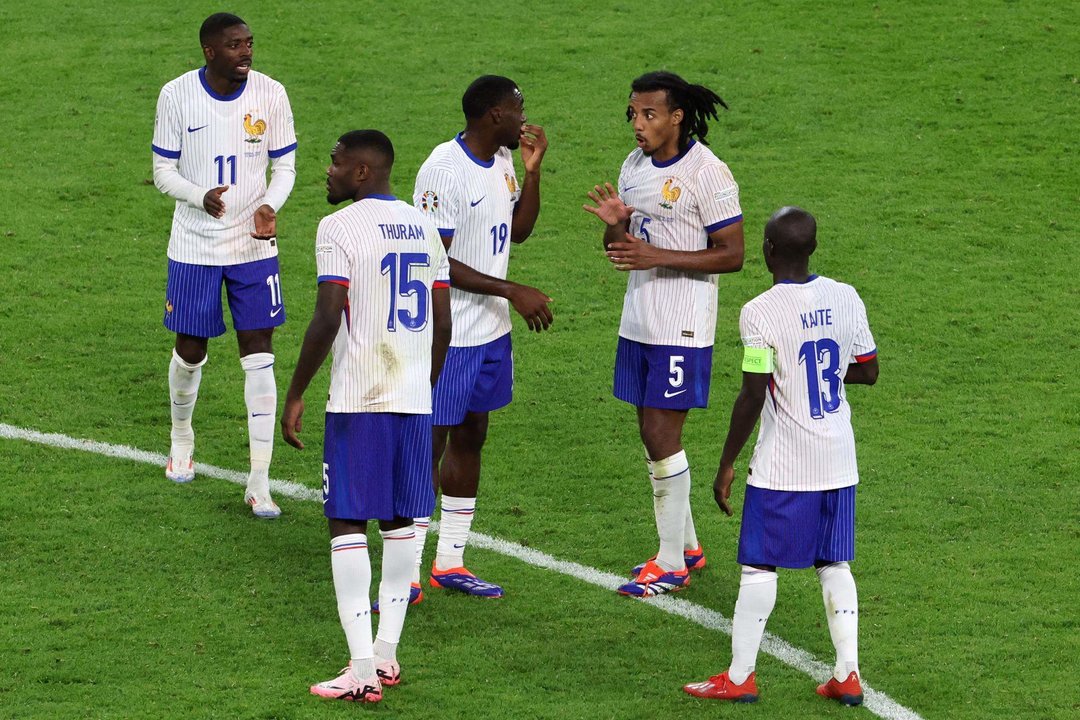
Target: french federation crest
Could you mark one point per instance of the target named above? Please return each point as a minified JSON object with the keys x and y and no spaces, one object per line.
{"x":511,"y":183}
{"x":255,"y":129}
{"x":168,"y":307}
{"x":669,"y":194}
{"x":429,"y":201}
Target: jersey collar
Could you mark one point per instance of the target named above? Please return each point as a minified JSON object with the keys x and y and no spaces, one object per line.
{"x":677,"y":158}
{"x":478,"y":161}
{"x":210,"y":91}
{"x":804,"y":282}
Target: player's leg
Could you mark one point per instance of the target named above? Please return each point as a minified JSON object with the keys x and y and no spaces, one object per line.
{"x":837,"y":546}
{"x":193,"y":312}
{"x":257,"y":307}
{"x":661,"y":432}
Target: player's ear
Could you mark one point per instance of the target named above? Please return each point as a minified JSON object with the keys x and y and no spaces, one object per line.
{"x":677,"y":116}
{"x":208,"y":52}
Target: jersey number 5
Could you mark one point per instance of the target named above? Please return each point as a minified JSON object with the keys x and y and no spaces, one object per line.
{"x":822,"y":361}
{"x":398,"y":268}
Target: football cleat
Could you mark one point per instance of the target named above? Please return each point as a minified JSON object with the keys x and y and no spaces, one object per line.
{"x":262,"y":506}
{"x":461,"y":579}
{"x":848,"y":692}
{"x":654,"y":580}
{"x":720,"y":687}
{"x":416,"y":594}
{"x":694,"y":559}
{"x":388,"y":671}
{"x":347,"y":687}
{"x":180,"y":471}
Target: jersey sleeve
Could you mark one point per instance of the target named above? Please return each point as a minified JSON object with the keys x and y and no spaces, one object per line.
{"x":168,"y":127}
{"x":442,"y":268}
{"x":331,"y":257}
{"x":758,"y":354}
{"x":438,"y":196}
{"x":863,"y":348}
{"x":281,"y":135}
{"x":717,"y":196}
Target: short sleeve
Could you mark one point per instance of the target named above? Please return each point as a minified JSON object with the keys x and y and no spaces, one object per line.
{"x":331,"y":258}
{"x":717,"y":196}
{"x":281,"y":134}
{"x":442,"y":268}
{"x":438,"y":196}
{"x":168,"y":127}
{"x":759,"y":357}
{"x":863,"y":348}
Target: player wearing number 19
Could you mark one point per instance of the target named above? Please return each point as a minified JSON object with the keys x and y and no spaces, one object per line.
{"x":674,"y":224}
{"x":383,"y":307}
{"x":805,"y":339}
{"x":216,"y":131}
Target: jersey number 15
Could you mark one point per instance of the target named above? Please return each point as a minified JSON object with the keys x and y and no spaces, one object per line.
{"x":398,"y":268}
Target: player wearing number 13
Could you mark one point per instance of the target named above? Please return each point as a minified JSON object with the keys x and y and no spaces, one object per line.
{"x":805,"y":339}
{"x":216,"y":131}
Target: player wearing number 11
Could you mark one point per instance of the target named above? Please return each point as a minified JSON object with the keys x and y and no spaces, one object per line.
{"x":217,"y":130}
{"x":805,"y":339}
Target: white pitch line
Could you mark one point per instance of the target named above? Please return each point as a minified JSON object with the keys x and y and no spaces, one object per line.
{"x":875,"y":701}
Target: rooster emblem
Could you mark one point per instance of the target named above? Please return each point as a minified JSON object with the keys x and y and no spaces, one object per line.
{"x":254,"y":129}
{"x":670,"y":194}
{"x":511,"y":183}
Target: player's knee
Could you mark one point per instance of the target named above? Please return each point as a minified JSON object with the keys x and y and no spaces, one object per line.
{"x":825,"y":568}
{"x":255,"y":341}
{"x":470,"y":435}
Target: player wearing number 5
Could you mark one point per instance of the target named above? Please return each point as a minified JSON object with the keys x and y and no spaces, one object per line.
{"x":805,"y":339}
{"x":674,"y":224}
{"x":469,"y":187}
{"x":216,"y":131}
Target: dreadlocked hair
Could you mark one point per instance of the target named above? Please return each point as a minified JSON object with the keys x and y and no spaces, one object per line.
{"x":697,"y":102}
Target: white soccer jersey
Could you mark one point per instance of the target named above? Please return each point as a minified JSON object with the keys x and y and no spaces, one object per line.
{"x":213,"y":140}
{"x":816,"y":329}
{"x":676,"y":204}
{"x":390,"y":257}
{"x":473,"y":201}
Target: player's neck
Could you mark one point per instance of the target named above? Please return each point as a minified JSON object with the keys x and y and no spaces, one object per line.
{"x":483,"y":148}
{"x":796,"y":275}
{"x":382,"y":189}
{"x":221,"y":85}
{"x":667,"y":151}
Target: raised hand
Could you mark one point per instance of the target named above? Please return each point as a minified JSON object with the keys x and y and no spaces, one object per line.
{"x":533,"y":146}
{"x":265,"y":223}
{"x":609,"y":206}
{"x":212,"y":202}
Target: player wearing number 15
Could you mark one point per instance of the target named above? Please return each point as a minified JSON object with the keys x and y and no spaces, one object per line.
{"x":805,"y":339}
{"x":217,"y":130}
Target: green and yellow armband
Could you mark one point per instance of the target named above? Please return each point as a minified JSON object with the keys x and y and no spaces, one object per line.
{"x":758,"y":360}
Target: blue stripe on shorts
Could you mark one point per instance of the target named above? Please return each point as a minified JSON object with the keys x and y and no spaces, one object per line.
{"x":662,"y":376}
{"x":474,"y":379}
{"x":377,"y":466}
{"x":797,"y":529}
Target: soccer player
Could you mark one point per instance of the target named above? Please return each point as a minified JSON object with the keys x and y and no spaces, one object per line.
{"x":805,"y":339}
{"x":673,"y":225}
{"x":216,"y":131}
{"x":383,"y":270}
{"x":469,"y":187}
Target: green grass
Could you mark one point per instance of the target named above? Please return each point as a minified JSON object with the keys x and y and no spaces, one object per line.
{"x":937,"y":146}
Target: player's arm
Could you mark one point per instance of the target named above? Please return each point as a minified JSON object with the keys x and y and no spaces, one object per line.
{"x":319,"y":338}
{"x":759,"y":362}
{"x":724,"y":255}
{"x":529,"y":302}
{"x":533,"y":146}
{"x":611,"y":210}
{"x":167,"y":146}
{"x":282,"y":154}
{"x":441,"y":331}
{"x":863,"y":371}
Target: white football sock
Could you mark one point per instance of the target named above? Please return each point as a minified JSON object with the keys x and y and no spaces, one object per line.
{"x":757,"y":596}
{"x":454,"y":524}
{"x":399,"y":556}
{"x":690,"y":538}
{"x":184,"y":378}
{"x":352,"y":582}
{"x":842,"y":612}
{"x":671,"y":499}
{"x":260,"y":395}
{"x":421,"y":524}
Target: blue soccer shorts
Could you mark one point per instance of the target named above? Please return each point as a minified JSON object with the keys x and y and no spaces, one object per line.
{"x":377,"y":466}
{"x":662,"y":376}
{"x":474,"y":379}
{"x":797,"y":529}
{"x":193,"y":297}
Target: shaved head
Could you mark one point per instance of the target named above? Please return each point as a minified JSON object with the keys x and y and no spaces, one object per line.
{"x":792,"y":232}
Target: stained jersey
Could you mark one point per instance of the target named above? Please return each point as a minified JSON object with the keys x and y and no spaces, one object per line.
{"x":390,"y":257}
{"x":472,"y":201}
{"x":677,"y":204}
{"x":222,"y":140}
{"x":815,"y":330}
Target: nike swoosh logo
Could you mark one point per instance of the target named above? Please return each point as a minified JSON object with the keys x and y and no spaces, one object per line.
{"x":274,"y":313}
{"x":474,"y":204}
{"x":259,"y":414}
{"x":629,"y":188}
{"x":458,"y":547}
{"x":191,"y":129}
{"x":669,"y":394}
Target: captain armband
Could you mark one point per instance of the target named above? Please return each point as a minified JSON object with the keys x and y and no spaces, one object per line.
{"x":758,"y":360}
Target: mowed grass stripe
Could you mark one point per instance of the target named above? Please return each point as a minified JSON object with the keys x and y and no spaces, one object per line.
{"x":876,"y":701}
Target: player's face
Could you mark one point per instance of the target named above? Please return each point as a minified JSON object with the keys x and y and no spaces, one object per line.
{"x":340,"y":176}
{"x":511,"y":120}
{"x":229,"y":55}
{"x":656,"y":127}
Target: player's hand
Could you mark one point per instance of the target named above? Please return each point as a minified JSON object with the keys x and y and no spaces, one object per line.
{"x":532,"y":305}
{"x":212,"y":202}
{"x":265,"y":223}
{"x":609,"y":206}
{"x":533,"y":146}
{"x":633,"y":254}
{"x":291,"y":421}
{"x":721,"y":488}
